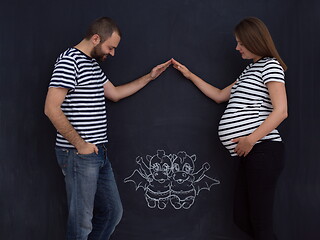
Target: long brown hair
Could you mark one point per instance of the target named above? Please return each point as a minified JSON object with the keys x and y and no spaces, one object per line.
{"x":255,"y":36}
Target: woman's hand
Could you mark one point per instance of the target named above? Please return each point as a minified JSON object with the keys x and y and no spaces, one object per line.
{"x":183,"y":69}
{"x":243,"y":147}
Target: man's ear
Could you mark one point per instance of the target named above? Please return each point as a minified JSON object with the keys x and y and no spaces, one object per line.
{"x":95,"y":39}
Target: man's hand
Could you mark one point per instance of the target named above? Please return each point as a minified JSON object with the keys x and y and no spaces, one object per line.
{"x":156,"y":71}
{"x":87,"y":148}
{"x":116,"y":93}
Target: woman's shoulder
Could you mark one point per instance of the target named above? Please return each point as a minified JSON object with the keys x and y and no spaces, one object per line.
{"x":268,"y":63}
{"x":271,"y":70}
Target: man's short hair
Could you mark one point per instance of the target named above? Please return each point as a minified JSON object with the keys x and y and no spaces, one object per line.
{"x":104,"y":27}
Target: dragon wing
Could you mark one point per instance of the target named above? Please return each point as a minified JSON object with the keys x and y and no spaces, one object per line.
{"x":205,"y":183}
{"x":139,"y":179}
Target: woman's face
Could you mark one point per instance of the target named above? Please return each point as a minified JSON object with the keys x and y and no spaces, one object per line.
{"x":245,"y":53}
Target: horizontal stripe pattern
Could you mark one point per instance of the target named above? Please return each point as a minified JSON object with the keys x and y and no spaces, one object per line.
{"x":249,"y":104}
{"x":84,"y":104}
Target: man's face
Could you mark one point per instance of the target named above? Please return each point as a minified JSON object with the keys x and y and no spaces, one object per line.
{"x":102,"y":50}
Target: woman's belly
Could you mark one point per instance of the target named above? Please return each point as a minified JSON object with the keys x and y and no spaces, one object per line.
{"x":237,"y":124}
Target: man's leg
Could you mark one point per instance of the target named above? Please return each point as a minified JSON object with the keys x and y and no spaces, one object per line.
{"x":107,"y":205}
{"x":81,"y":176}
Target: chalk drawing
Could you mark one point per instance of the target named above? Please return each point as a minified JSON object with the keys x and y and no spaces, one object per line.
{"x":170,"y":179}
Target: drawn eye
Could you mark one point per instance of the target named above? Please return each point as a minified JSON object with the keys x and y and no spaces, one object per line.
{"x":187,"y":168}
{"x":165,"y":167}
{"x":176,"y":167}
{"x":156,"y":167}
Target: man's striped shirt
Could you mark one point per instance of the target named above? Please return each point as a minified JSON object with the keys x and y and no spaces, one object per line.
{"x":84,"y":104}
{"x":249,"y":104}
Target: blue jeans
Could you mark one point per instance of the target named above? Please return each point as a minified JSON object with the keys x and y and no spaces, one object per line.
{"x":93,"y":199}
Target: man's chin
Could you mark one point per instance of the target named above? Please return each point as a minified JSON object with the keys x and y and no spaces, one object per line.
{"x":103,"y":58}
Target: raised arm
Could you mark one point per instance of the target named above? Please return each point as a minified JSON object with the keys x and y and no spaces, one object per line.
{"x":55,"y":98}
{"x":216,"y":94}
{"x":116,"y":93}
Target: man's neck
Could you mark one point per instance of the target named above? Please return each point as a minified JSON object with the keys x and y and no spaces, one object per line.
{"x":85,"y":47}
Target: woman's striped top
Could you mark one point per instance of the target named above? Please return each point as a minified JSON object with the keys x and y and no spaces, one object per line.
{"x":249,"y":104}
{"x":84,"y":104}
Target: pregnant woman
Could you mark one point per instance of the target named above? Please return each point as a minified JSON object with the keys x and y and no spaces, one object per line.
{"x":257,"y":104}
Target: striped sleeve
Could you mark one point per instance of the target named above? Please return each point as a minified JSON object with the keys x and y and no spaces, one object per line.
{"x":64,"y":73}
{"x":272,"y":72}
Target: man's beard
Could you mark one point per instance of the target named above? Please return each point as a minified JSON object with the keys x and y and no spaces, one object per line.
{"x":98,"y":54}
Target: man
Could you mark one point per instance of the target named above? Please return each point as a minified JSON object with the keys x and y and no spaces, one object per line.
{"x":75,"y":104}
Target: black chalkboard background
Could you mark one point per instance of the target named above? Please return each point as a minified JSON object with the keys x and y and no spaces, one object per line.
{"x":169,"y":114}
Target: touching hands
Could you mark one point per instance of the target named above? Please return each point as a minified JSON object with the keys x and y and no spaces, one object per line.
{"x":243,"y":147}
{"x":156,"y":71}
{"x":183,"y":69}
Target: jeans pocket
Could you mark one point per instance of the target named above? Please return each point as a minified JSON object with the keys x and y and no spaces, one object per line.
{"x":87,"y":154}
{"x":87,"y":157}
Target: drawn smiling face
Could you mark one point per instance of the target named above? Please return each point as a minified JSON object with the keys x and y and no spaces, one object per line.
{"x":160,"y":168}
{"x":170,"y":179}
{"x":183,"y":168}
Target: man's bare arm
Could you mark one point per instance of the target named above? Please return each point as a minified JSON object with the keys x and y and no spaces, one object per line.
{"x":55,"y":98}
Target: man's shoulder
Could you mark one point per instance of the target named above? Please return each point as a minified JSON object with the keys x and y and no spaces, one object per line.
{"x":68,"y":53}
{"x":71,"y":54}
